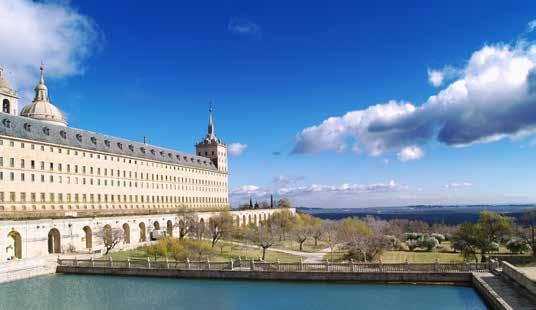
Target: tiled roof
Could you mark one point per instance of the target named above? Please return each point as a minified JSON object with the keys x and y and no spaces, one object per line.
{"x":27,"y":128}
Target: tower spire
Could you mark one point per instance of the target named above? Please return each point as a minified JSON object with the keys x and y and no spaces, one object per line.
{"x":41,"y":90}
{"x":211,"y":131}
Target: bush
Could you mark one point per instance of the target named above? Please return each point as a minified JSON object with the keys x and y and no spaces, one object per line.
{"x":517,"y":246}
{"x":439,"y":237}
{"x":494,"y":247}
{"x":412,"y":236}
{"x":393,"y":242}
{"x":412,"y":244}
{"x":428,"y":242}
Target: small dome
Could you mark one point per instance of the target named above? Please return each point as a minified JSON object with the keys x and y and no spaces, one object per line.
{"x":44,"y":111}
{"x":41,"y":108}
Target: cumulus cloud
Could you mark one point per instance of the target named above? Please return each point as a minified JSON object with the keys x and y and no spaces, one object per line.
{"x":52,"y":32}
{"x":313,"y":190}
{"x":243,"y":27}
{"x":458,"y":185}
{"x":237,"y":148}
{"x":437,"y":77}
{"x":493,"y":98}
{"x":410,"y":153}
{"x":531,"y":26}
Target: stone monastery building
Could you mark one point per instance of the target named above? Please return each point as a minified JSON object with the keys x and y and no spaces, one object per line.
{"x":80,"y":180}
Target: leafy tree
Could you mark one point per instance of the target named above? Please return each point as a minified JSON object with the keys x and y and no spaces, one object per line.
{"x":360,"y":241}
{"x":393,"y":242}
{"x":529,"y":219}
{"x":439,"y":237}
{"x":412,"y":244}
{"x":198,"y":248}
{"x":483,"y":235}
{"x":317,"y":229}
{"x":282,"y":222}
{"x":284,"y":203}
{"x":517,"y":245}
{"x":428,"y":242}
{"x":159,"y":249}
{"x":220,"y":226}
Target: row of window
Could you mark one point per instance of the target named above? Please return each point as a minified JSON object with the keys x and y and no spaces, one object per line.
{"x":105,"y":182}
{"x":59,"y":167}
{"x":24,"y":197}
{"x":109,"y":157}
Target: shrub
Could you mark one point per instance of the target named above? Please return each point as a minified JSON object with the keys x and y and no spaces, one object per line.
{"x":517,"y":246}
{"x":428,"y":242}
{"x":439,"y":237}
{"x":393,"y":242}
{"x":412,"y":236}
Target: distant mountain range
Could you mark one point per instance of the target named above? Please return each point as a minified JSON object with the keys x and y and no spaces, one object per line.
{"x":451,"y":215}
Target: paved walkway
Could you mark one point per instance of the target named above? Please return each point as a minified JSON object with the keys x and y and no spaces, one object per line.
{"x":514,"y":295}
{"x":529,"y":271}
{"x":309,"y":257}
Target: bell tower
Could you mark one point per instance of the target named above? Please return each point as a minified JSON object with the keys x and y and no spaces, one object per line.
{"x":212,"y":147}
{"x":9,"y":100}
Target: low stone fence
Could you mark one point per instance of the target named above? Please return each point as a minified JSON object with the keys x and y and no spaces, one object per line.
{"x":257,"y":270}
{"x":517,"y":275}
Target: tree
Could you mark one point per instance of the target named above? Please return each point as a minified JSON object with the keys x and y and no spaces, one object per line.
{"x":529,"y":219}
{"x":186,"y":223}
{"x":428,"y":242}
{"x":464,"y":239}
{"x":110,"y":237}
{"x":284,"y":204}
{"x":282,"y":223}
{"x":198,"y":248}
{"x":250,"y":203}
{"x":491,"y":227}
{"x":331,"y":234}
{"x":220,"y":226}
{"x":262,"y":235}
{"x":159,"y":249}
{"x":357,"y":237}
{"x":517,"y":245}
{"x":317,"y":229}
{"x":301,"y":229}
{"x":271,"y":201}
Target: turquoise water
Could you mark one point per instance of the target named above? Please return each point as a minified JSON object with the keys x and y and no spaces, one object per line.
{"x":99,"y":292}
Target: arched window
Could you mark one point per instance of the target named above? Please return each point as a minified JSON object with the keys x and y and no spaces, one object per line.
{"x":5,"y":106}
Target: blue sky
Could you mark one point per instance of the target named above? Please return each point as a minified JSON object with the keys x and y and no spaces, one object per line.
{"x":273,"y":69}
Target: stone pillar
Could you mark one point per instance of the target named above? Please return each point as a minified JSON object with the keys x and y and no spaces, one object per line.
{"x":128,"y":262}
{"x":111,"y":262}
{"x":187,"y":263}
{"x":231,"y":264}
{"x":148,"y":263}
{"x":436,"y":265}
{"x":380,"y":265}
{"x":278,"y":265}
{"x":251,"y":265}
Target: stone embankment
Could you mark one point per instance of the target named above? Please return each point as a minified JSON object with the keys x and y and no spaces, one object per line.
{"x":28,"y":268}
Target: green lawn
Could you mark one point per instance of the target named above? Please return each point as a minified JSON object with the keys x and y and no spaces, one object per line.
{"x":229,"y":251}
{"x":420,"y":257}
{"x":308,"y":245}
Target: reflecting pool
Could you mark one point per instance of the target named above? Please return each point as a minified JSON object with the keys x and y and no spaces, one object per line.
{"x":100,"y":292}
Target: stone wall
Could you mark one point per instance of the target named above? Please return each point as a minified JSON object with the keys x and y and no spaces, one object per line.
{"x":517,"y":275}
{"x":34,"y":238}
{"x":28,"y":268}
{"x":396,"y":277}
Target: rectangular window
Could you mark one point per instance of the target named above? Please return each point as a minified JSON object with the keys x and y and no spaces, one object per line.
{"x":22,"y":163}
{"x":12,"y":162}
{"x":12,"y":196}
{"x":22,"y":197}
{"x":32,"y":164}
{"x":32,"y":197}
{"x":42,"y":165}
{"x":12,"y":176}
{"x":22,"y":177}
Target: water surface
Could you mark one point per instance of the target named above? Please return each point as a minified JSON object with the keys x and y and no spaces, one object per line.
{"x":100,"y":292}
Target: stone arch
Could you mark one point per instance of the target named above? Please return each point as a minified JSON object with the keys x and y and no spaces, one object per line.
{"x":89,"y":237}
{"x":237,"y":220}
{"x":6,"y":106}
{"x":156,"y":225}
{"x":169,"y":228}
{"x":15,"y":244}
{"x":126,"y":233}
{"x":143,"y":234}
{"x":54,"y":241}
{"x":182,"y":228}
{"x":249,"y":219}
{"x":244,"y":220}
{"x":107,"y":234}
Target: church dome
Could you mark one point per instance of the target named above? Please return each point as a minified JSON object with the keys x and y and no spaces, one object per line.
{"x":41,"y":108}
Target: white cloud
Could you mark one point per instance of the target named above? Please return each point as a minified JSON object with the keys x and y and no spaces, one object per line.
{"x":243,"y":27}
{"x":32,"y":32}
{"x":313,"y":190}
{"x":237,"y":148}
{"x":493,"y":98}
{"x":410,"y":153}
{"x":531,"y":26}
{"x":437,"y":77}
{"x":458,"y":185}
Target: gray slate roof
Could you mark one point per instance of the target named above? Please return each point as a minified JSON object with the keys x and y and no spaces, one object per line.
{"x":27,"y":128}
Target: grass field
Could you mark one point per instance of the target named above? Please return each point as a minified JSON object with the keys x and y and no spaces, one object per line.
{"x":229,"y":251}
{"x":308,"y":245}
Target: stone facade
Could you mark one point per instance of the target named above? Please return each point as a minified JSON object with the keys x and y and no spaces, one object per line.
{"x":35,"y":238}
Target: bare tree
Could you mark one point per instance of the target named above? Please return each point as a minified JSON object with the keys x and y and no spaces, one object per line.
{"x":262,"y":235}
{"x":110,"y":237}
{"x":301,"y":229}
{"x":220,"y":226}
{"x":186,"y":223}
